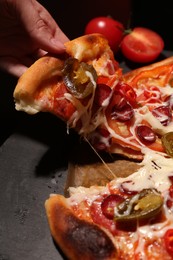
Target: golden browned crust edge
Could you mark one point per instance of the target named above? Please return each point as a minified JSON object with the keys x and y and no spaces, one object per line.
{"x":133,"y":73}
{"x":87,"y":47}
{"x":78,"y":238}
{"x":46,"y":68}
{"x":42,"y":70}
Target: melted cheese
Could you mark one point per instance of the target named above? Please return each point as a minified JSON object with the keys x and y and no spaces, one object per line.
{"x":80,"y":194}
{"x":83,"y":112}
{"x":143,"y":113}
{"x":154,"y":173}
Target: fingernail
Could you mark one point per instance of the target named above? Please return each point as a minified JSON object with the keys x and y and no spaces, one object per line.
{"x":57,"y":44}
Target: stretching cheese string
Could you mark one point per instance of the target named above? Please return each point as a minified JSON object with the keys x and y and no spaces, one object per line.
{"x":105,"y":164}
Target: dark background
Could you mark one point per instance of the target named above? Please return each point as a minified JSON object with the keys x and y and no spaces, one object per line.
{"x":72,"y":16}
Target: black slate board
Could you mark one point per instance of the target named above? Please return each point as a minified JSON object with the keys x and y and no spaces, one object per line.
{"x":33,"y":163}
{"x":30,"y":170}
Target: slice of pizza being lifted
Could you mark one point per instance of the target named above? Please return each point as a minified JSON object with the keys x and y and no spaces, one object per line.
{"x":85,"y":87}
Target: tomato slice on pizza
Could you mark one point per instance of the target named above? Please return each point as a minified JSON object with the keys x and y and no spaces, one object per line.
{"x":129,"y":218}
{"x":85,"y":87}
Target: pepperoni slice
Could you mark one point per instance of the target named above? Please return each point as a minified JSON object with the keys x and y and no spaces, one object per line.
{"x":102,"y":93}
{"x":109,"y":203}
{"x":100,"y":139}
{"x":145,"y":134}
{"x":171,"y":179}
{"x":168,"y":238}
{"x":121,"y":110}
{"x":163,"y":114}
{"x":99,"y":218}
{"x":169,"y":201}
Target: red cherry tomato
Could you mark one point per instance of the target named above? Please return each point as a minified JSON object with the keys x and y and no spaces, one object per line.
{"x":142,"y":45}
{"x":110,"y":28}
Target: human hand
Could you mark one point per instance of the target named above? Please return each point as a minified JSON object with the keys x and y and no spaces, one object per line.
{"x":27,"y":32}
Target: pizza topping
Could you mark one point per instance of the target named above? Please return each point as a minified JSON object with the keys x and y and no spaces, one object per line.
{"x":167,"y":142}
{"x":169,"y":99}
{"x":100,"y":139}
{"x":76,"y":78}
{"x":98,"y":216}
{"x":102,"y":94}
{"x":168,"y":238}
{"x":145,"y":134}
{"x":152,"y":94}
{"x":120,"y":108}
{"x":127,"y":92}
{"x":163,"y":114}
{"x":169,"y":201}
{"x":125,"y":190}
{"x":122,"y":114}
{"x":109,"y":203}
{"x":145,"y":204}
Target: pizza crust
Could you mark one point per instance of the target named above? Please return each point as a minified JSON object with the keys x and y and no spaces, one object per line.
{"x":41,"y":73}
{"x":87,"y":47}
{"x":129,"y":76}
{"x":77,"y":238}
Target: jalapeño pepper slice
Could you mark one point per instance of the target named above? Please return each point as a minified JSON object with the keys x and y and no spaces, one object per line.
{"x":146,"y":204}
{"x":167,"y":142}
{"x":79,"y":77}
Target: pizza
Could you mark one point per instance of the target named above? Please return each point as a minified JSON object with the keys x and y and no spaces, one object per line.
{"x":129,"y":217}
{"x":86,"y":88}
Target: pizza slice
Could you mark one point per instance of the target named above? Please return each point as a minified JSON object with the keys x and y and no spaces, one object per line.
{"x":85,"y":87}
{"x":129,"y":218}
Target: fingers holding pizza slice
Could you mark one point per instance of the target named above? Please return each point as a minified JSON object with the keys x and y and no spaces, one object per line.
{"x":66,"y":85}
{"x":85,"y":87}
